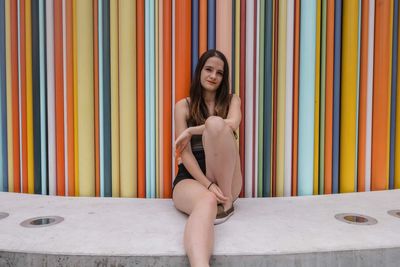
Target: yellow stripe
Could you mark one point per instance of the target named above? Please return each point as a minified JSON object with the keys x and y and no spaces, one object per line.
{"x":280,"y":155}
{"x":114,"y":97}
{"x":28,"y":49}
{"x":84,"y":16}
{"x":76,"y":145}
{"x":9,"y":101}
{"x":348,"y":96}
{"x":317,"y":93}
{"x":128,"y":118}
{"x":157,"y":108}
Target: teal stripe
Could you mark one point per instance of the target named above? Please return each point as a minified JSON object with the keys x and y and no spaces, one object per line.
{"x":101,"y":95}
{"x":3,"y":101}
{"x":261,"y":99}
{"x":307,"y":97}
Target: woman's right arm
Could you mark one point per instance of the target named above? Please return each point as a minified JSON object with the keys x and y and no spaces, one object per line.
{"x":188,"y":159}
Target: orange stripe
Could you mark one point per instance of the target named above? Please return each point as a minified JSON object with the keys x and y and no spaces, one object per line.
{"x":182,"y":44}
{"x":380,"y":114}
{"x":296,"y":59}
{"x":96,"y":96}
{"x":329,"y":95}
{"x":203,"y":27}
{"x":23,"y":99}
{"x":70,"y":100}
{"x":59,"y":96}
{"x":141,"y":145}
{"x":363,"y":97}
{"x":167,"y":83}
{"x":15,"y":95}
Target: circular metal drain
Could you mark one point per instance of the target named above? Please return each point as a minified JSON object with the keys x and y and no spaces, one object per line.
{"x":3,"y":215}
{"x":354,"y":218}
{"x":42,"y":221}
{"x":395,"y":213}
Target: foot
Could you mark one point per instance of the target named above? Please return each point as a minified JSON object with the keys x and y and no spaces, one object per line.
{"x":222,"y":214}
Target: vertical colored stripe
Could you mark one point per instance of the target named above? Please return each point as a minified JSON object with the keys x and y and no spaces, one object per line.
{"x":96,"y":65}
{"x":242,"y":83}
{"x":59,"y":97}
{"x":167,"y":97}
{"x":10,"y":141}
{"x":393,"y":103}
{"x":224,"y":31}
{"x":211,"y":6}
{"x":261,"y":86}
{"x":141,"y":99}
{"x":127,"y":96}
{"x":202,"y":27}
{"x":195,"y":33}
{"x":114,"y":83}
{"x":348,"y":97}
{"x":381,"y":96}
{"x":317,"y":99}
{"x":336,"y":96}
{"x":85,"y":90}
{"x":306,"y":97}
{"x":289,"y":99}
{"x":3,"y":102}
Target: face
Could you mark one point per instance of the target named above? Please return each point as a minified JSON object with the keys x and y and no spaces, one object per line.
{"x":212,"y":74}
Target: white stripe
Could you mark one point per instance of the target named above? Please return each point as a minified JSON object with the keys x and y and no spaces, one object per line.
{"x":255,"y":148}
{"x":289,"y":98}
{"x":369,"y":94}
{"x":249,"y":98}
{"x":50,"y":97}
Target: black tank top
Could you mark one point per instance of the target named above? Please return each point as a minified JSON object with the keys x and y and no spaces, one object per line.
{"x":196,"y":143}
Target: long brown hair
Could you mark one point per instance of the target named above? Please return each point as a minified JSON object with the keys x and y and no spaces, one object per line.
{"x":198,"y":112}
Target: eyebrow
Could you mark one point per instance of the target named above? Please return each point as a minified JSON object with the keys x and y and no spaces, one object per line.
{"x":209,"y":66}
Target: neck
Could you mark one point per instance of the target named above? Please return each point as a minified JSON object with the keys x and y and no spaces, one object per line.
{"x":209,"y":97}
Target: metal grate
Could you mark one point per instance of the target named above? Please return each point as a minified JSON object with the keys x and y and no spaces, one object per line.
{"x":358,"y":219}
{"x":42,"y":221}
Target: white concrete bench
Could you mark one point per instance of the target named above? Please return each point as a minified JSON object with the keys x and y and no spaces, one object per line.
{"x":297,"y":231}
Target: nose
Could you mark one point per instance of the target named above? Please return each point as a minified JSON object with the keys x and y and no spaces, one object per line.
{"x":213,"y":74}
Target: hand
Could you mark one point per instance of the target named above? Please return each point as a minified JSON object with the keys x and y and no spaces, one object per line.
{"x":182,"y":140}
{"x":218,"y":193}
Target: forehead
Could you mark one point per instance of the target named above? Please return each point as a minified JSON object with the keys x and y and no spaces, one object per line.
{"x":215,"y":62}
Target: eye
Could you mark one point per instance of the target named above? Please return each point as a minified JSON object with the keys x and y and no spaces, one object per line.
{"x":220,"y":73}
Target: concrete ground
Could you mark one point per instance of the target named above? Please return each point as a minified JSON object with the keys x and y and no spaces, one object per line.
{"x":293,"y":231}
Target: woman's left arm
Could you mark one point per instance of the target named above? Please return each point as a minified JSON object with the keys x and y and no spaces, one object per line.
{"x":234,"y":115}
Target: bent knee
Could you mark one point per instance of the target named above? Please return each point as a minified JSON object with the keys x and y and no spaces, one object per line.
{"x":215,"y":125}
{"x":208,"y":200}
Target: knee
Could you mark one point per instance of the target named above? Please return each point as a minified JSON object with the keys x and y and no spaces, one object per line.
{"x":208,"y":201}
{"x":215,"y":125}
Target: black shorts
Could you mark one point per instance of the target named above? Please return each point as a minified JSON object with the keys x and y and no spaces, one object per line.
{"x":183,"y":173}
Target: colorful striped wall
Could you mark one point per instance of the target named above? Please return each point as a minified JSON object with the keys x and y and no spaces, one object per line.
{"x":87,"y":92}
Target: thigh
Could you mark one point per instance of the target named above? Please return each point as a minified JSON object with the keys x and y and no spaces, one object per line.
{"x":187,"y":193}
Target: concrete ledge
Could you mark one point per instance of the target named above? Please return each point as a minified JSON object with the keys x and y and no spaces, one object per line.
{"x":298,"y":231}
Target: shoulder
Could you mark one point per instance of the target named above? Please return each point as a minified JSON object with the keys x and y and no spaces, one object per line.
{"x":182,"y":106}
{"x":235,"y":99}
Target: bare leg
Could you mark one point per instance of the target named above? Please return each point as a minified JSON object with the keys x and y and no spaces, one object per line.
{"x":222,"y":158}
{"x":194,"y":199}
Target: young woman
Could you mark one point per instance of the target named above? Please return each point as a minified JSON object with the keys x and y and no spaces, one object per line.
{"x":209,"y":178}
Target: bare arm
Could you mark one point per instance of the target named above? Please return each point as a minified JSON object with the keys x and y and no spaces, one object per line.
{"x":188,"y":159}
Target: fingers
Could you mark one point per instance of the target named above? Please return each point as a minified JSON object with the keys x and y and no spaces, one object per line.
{"x":218,"y":193}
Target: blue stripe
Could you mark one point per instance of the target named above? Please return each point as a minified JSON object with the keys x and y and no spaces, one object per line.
{"x":267,"y":99}
{"x":36,"y":98}
{"x":195,"y":34}
{"x":211,"y":24}
{"x":107,"y":100}
{"x":43,"y":85}
{"x":394,"y":95}
{"x":3,"y":102}
{"x":336,"y":97}
{"x":307,"y":97}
